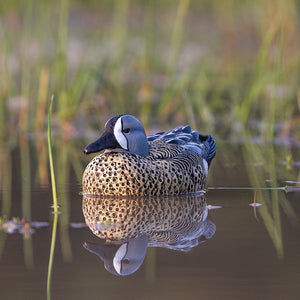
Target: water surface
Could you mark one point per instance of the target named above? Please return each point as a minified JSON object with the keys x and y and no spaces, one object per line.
{"x":254,"y":252}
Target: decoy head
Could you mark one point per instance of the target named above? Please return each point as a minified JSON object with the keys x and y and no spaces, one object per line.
{"x":123,"y":132}
{"x":121,"y":259}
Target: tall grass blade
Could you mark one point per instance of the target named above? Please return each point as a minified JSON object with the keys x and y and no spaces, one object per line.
{"x":51,"y":256}
{"x":55,"y":205}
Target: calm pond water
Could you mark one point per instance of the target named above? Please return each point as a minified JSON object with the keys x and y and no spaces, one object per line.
{"x":253,"y":252}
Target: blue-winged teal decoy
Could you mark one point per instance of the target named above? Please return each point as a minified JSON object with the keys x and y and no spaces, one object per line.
{"x":165,"y":163}
{"x":128,"y":225}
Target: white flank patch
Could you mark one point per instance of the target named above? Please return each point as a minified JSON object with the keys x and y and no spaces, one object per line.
{"x":205,"y":165}
{"x":120,"y":254}
{"x":119,"y":135}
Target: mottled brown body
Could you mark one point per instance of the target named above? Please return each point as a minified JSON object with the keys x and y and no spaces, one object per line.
{"x":168,"y":169}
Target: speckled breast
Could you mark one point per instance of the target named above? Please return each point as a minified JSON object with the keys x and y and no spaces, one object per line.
{"x":119,"y":173}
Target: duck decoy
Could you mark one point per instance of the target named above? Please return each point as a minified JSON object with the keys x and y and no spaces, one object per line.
{"x":128,"y":225}
{"x":165,"y":163}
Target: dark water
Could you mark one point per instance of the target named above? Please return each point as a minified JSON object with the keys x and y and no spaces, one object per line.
{"x":254,"y":252}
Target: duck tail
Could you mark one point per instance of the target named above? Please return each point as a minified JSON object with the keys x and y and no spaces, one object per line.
{"x":210,"y":147}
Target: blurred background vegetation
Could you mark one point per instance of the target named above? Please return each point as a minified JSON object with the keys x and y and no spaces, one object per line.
{"x":221,"y":66}
{"x":229,"y":68}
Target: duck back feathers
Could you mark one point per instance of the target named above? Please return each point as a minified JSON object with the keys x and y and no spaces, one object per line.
{"x":187,"y":138}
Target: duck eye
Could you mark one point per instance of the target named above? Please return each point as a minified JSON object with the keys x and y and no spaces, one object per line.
{"x":126,"y":130}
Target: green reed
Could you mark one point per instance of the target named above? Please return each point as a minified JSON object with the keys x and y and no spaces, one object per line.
{"x":51,"y":164}
{"x":269,"y":72}
{"x":268,"y":194}
{"x":134,"y":64}
{"x":55,"y":204}
{"x":51,"y":256}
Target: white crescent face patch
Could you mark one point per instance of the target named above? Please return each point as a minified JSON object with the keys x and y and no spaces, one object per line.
{"x":120,"y":137}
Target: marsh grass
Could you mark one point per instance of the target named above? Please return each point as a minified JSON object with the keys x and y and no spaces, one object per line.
{"x":55,"y":203}
{"x":267,"y":176}
{"x":165,"y":68}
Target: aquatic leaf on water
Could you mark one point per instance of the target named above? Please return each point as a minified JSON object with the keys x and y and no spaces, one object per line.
{"x":210,"y":207}
{"x":255,"y":204}
{"x":77,"y":225}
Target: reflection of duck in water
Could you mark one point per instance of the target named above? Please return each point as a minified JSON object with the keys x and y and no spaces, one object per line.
{"x":130,"y":225}
{"x":171,"y":162}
